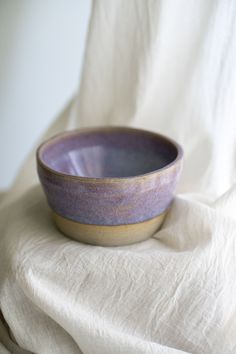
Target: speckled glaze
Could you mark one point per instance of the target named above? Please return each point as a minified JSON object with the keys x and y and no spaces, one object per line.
{"x":110,"y":175}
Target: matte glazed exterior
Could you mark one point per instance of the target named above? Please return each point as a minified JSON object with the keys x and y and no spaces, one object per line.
{"x":109,"y":201}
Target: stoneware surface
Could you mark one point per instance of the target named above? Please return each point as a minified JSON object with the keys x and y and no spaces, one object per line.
{"x":109,"y":176}
{"x":106,"y":235}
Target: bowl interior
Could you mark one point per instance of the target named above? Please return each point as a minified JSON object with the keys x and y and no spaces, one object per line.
{"x":108,"y":153}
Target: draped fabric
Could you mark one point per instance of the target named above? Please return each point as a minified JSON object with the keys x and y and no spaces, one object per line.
{"x":167,"y":66}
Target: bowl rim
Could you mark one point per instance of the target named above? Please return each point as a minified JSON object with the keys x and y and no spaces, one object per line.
{"x":95,"y":129}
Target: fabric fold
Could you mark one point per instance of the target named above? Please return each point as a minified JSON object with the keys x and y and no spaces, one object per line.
{"x":167,"y":67}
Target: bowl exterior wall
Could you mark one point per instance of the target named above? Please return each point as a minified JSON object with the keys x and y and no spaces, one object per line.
{"x":111,"y":201}
{"x":106,"y":235}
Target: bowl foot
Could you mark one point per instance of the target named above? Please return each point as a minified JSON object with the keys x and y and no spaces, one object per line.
{"x":106,"y":235}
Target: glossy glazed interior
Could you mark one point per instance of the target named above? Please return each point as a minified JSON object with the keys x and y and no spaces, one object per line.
{"x":108,"y":153}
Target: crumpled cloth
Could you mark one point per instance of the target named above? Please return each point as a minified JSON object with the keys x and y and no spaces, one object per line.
{"x":169,"y":67}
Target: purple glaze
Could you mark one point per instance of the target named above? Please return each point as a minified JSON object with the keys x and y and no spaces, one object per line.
{"x":154,"y":161}
{"x":108,"y":154}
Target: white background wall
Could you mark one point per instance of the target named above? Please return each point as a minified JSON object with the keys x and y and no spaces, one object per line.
{"x":41,"y":48}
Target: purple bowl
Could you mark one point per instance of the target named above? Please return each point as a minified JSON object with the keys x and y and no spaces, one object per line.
{"x":109,"y":185}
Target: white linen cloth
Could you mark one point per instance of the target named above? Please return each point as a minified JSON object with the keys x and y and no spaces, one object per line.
{"x":168,"y":66}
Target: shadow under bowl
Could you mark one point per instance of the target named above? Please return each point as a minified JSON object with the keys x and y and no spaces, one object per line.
{"x":110,"y":185}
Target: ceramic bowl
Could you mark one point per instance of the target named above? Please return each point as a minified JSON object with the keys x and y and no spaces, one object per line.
{"x":110,"y":185}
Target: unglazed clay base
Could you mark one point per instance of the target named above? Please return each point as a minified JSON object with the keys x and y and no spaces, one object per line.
{"x":102,"y":235}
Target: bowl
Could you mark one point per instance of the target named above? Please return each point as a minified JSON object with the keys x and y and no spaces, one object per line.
{"x":109,"y":186}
